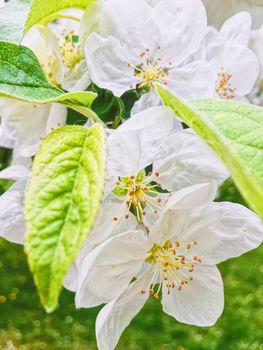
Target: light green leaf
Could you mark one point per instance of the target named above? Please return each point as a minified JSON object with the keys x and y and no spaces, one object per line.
{"x":41,"y":10}
{"x":22,"y":78}
{"x":61,"y":204}
{"x":18,"y":16}
{"x":234,"y":131}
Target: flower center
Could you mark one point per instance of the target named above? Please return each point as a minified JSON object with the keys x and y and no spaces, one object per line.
{"x":70,"y":48}
{"x":139,"y":192}
{"x":174,"y":266}
{"x":151,"y":74}
{"x":224,"y":87}
{"x":150,"y":70}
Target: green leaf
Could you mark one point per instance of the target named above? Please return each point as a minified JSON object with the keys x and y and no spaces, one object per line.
{"x":108,"y":107}
{"x":129,"y":98}
{"x":61,"y":204}
{"x":18,"y":16}
{"x":41,"y":10}
{"x":22,"y":78}
{"x":234,"y":131}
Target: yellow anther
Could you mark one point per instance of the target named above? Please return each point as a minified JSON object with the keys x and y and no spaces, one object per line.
{"x":171,"y":269}
{"x":224,"y":87}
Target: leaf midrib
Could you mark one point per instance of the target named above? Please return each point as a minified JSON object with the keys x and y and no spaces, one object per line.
{"x":69,"y":207}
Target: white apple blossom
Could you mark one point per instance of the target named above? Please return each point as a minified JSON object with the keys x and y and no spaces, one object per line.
{"x":131,"y":148}
{"x":178,"y":158}
{"x":140,"y":45}
{"x":235,"y":66}
{"x":178,"y":257}
{"x":59,"y":47}
{"x":65,"y":63}
{"x":219,"y":11}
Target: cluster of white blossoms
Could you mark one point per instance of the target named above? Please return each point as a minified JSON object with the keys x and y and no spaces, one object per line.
{"x":159,"y":232}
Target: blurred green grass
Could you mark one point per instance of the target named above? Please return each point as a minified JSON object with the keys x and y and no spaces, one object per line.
{"x":25,"y":326}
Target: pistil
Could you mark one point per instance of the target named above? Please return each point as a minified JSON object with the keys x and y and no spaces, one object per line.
{"x":139,"y":193}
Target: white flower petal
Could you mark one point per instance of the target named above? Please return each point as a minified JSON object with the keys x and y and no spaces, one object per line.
{"x":29,"y":122}
{"x":8,"y":133}
{"x":124,"y":20}
{"x":22,"y":161}
{"x":89,"y":21}
{"x":237,"y":29}
{"x":108,"y":63}
{"x":117,"y":315}
{"x":243,"y":65}
{"x":177,"y":26}
{"x":52,"y":43}
{"x":106,"y":225}
{"x":71,"y":279}
{"x":153,"y":209}
{"x":57,"y":117}
{"x":15,"y":110}
{"x":214,"y":45}
{"x":149,"y":100}
{"x":107,"y":271}
{"x":15,"y":172}
{"x":178,"y":209}
{"x":12,"y":221}
{"x":199,"y":303}
{"x":193,"y":196}
{"x":32,"y":130}
{"x":36,"y":42}
{"x":222,"y":231}
{"x":77,"y":78}
{"x":184,"y":159}
{"x":134,"y":144}
{"x":195,"y":80}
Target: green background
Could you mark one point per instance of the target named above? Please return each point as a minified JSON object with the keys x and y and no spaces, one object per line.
{"x":25,"y":326}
